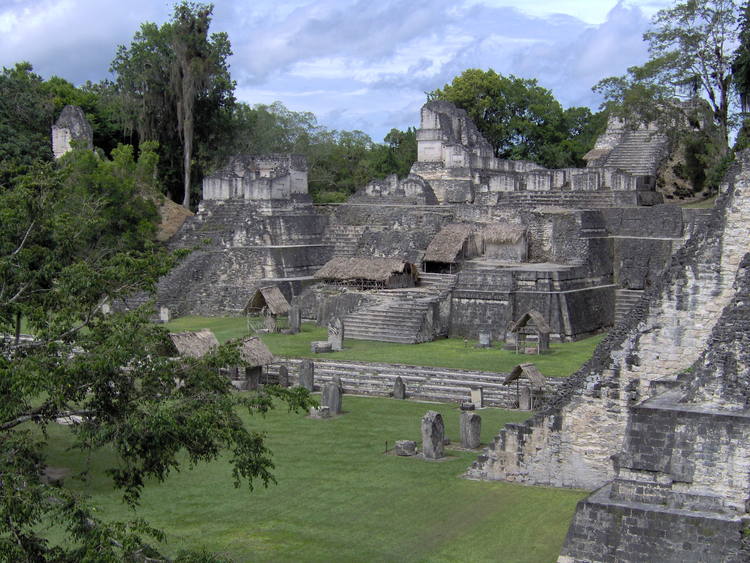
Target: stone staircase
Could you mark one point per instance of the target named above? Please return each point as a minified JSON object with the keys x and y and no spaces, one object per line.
{"x":441,"y":283}
{"x":577,"y":199}
{"x":422,"y":383}
{"x":625,"y":300}
{"x":639,"y":153}
{"x":402,"y":320}
{"x":344,"y":238}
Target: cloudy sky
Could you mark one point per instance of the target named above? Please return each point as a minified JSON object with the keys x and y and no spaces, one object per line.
{"x":357,"y":64}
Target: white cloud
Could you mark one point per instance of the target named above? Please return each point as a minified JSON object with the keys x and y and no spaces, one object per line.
{"x":355,"y":63}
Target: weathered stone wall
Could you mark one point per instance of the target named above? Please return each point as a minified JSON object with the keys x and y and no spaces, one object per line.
{"x":72,"y":125}
{"x":422,"y":383}
{"x":685,"y":461}
{"x":606,"y":532}
{"x":410,"y":190}
{"x":571,"y":442}
{"x":254,"y":177}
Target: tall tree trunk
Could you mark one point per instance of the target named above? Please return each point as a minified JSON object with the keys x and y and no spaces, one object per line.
{"x":186,"y":109}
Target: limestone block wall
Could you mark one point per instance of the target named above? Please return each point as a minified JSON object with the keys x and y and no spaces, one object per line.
{"x":630,"y":532}
{"x":570,"y":443}
{"x":422,"y":383}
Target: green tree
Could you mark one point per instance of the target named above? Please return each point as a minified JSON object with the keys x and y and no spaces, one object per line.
{"x":74,"y":237}
{"x":519,"y":118}
{"x":174,"y":79}
{"x":26,"y":115}
{"x":690,"y":47}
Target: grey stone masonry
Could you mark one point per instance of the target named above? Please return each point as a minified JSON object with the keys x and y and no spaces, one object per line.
{"x":433,"y":435}
{"x":571,"y":442}
{"x":307,"y":375}
{"x":471,"y":430}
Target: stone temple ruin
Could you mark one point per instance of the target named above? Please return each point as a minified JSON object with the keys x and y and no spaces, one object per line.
{"x":488,"y":239}
{"x":72,"y":125}
{"x":656,"y":423}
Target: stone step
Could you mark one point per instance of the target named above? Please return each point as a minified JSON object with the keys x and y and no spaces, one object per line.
{"x":625,"y":300}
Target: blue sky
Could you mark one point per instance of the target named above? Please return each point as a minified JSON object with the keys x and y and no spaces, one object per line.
{"x":357,"y":64}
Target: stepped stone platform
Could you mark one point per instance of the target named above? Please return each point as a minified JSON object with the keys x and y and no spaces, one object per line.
{"x":422,"y":383}
{"x":625,"y":300}
{"x":658,"y":420}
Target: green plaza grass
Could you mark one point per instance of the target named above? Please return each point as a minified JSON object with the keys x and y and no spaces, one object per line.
{"x":340,"y":498}
{"x":562,"y":360}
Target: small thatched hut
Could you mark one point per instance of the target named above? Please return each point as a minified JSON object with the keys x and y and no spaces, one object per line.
{"x":455,"y":242}
{"x":193,"y":344}
{"x":267,"y":299}
{"x":257,"y":355}
{"x":531,"y":324}
{"x":368,"y":273}
{"x":505,"y":242}
{"x":532,"y":392}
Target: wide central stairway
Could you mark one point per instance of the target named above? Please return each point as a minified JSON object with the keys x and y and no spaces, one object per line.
{"x":405,"y":316}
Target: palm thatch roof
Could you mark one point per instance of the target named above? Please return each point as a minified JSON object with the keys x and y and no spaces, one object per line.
{"x":359,"y":268}
{"x":503,"y":233}
{"x":447,"y":244}
{"x":255,"y":352}
{"x":531,"y":372}
{"x":270,"y":297}
{"x":538,"y":320}
{"x":194,"y":344}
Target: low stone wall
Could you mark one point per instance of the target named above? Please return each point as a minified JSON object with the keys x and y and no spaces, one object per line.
{"x":422,"y":383}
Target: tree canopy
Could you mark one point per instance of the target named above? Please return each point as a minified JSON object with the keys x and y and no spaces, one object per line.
{"x":173,"y":82}
{"x":522,"y":120}
{"x":691,"y":46}
{"x":75,"y":237}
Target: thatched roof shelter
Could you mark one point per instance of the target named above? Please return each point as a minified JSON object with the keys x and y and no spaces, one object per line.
{"x":531,"y":372}
{"x":541,"y":325}
{"x":361,"y":268}
{"x":503,"y":233}
{"x":269,"y":297}
{"x":255,"y":352}
{"x":448,"y":243}
{"x":194,"y":344}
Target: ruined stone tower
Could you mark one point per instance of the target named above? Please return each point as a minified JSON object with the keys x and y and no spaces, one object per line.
{"x":71,"y":126}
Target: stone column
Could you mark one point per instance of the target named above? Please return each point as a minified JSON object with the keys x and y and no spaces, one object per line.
{"x":524,"y":398}
{"x":399,"y":389}
{"x":332,"y":398}
{"x":283,"y":376}
{"x":307,"y":375}
{"x":433,"y":435}
{"x":471,"y":427}
{"x":295,"y":320}
{"x":336,"y":334}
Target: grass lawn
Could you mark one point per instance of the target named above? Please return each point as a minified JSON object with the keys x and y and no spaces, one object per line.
{"x":561,"y":361}
{"x":339,"y":498}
